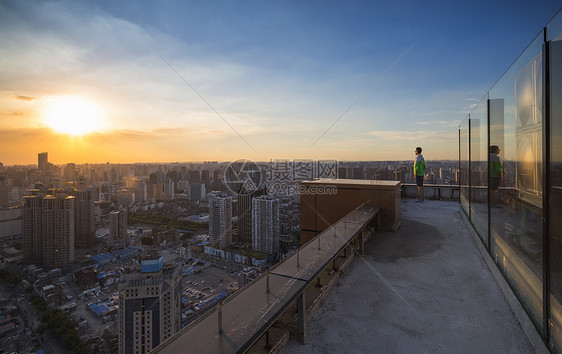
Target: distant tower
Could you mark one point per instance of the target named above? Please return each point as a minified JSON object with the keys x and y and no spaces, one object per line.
{"x":217,"y":180}
{"x":169,"y":189}
{"x":42,"y":161}
{"x":206,"y":178}
{"x":156,"y":185}
{"x":245,"y":215}
{"x":70,"y":172}
{"x":265,"y":225}
{"x":31,"y":229}
{"x":220,"y":220}
{"x":149,"y":306}
{"x":343,"y":172}
{"x":118,"y":227}
{"x":196,"y":191}
{"x":85,"y":228}
{"x":141,"y":192}
{"x":357,"y":173}
{"x":48,"y":230}
{"x":5,"y":189}
{"x":194,"y":176}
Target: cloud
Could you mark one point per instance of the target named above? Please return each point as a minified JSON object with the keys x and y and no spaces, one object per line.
{"x":278,"y":105}
{"x":441,"y":122}
{"x":14,"y":113}
{"x":25,"y":98}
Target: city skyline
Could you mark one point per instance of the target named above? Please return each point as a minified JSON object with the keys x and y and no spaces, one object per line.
{"x":200,"y":82}
{"x":286,"y":220}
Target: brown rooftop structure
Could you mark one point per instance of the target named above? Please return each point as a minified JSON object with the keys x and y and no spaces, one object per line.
{"x":319,"y":199}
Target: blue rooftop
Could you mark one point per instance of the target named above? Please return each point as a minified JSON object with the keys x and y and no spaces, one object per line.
{"x":152,"y":265}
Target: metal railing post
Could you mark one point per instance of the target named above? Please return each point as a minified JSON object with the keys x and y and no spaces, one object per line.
{"x":267,"y":281}
{"x":220,"y":317}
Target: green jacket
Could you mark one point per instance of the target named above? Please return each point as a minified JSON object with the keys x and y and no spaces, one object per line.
{"x":419,"y":165}
{"x":496,"y":166}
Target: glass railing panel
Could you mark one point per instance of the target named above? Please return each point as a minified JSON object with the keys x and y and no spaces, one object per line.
{"x":516,"y":126}
{"x":464,"y":166}
{"x":554,"y":33}
{"x":554,"y":28}
{"x":479,"y":169}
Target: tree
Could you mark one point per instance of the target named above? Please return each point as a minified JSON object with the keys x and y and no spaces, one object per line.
{"x":147,"y":241}
{"x":63,"y":328}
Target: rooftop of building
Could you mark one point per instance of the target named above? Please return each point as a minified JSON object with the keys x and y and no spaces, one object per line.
{"x":425,"y":288}
{"x":136,"y":278}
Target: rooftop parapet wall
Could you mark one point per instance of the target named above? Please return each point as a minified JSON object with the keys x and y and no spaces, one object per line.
{"x":325,"y":201}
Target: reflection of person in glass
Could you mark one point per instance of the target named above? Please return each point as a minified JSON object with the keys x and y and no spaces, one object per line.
{"x":496,"y":174}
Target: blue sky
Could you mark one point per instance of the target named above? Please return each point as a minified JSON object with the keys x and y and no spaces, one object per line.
{"x":279,"y":72}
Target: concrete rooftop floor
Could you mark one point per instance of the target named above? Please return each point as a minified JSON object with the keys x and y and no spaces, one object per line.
{"x":425,"y":288}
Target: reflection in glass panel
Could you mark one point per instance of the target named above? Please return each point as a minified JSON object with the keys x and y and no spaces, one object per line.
{"x":555,"y":189}
{"x":464,"y":168}
{"x":479,"y":169}
{"x":554,"y":28}
{"x":515,"y":179}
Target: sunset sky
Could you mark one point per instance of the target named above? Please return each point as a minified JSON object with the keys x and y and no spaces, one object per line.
{"x":157,"y":81}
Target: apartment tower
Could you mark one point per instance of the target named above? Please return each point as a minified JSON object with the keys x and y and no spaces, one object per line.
{"x":149,"y":306}
{"x":265,"y":225}
{"x":220,"y":220}
{"x":48,"y":229}
{"x":118,"y":227}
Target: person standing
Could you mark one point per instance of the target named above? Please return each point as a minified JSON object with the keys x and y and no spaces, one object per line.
{"x":419,"y":171}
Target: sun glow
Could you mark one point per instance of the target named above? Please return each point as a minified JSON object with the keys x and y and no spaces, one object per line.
{"x":73,"y":115}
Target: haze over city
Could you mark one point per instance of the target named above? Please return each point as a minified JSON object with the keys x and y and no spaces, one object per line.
{"x":172,"y":81}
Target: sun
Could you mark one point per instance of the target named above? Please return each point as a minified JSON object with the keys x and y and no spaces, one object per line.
{"x":73,"y":115}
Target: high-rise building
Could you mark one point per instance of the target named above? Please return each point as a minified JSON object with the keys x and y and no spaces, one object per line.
{"x":217,"y":180}
{"x":42,"y":161}
{"x":357,"y":173}
{"x":194,"y":176}
{"x":245,"y":215}
{"x":206,"y":178}
{"x":158,"y":191}
{"x":343,"y":172}
{"x":149,"y":306}
{"x":123,"y":197}
{"x":118,"y":227}
{"x":70,"y":172}
{"x":141,"y":192}
{"x":169,"y":189}
{"x":48,"y":229}
{"x":5,"y":189}
{"x":156,"y":187}
{"x":31,"y":229}
{"x":265,"y":225}
{"x":196,"y":191}
{"x":370,"y":172}
{"x":220,"y":220}
{"x":84,"y":225}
